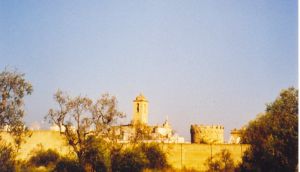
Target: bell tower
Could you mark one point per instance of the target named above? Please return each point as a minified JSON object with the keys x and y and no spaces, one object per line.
{"x":140,"y":110}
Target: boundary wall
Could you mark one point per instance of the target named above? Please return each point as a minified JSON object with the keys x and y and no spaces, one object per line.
{"x":190,"y":156}
{"x":193,"y":156}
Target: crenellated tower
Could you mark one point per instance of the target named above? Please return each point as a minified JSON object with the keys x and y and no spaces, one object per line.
{"x":209,"y":134}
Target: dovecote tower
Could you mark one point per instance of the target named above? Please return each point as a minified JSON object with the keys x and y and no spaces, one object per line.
{"x":140,"y":110}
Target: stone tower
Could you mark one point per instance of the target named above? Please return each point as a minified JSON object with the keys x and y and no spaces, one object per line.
{"x":140,"y":110}
{"x":208,"y":134}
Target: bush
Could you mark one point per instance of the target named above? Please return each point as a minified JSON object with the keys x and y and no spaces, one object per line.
{"x":44,"y":157}
{"x":7,"y":158}
{"x":68,"y":165}
{"x":145,"y":156}
{"x":131,"y":160}
{"x":220,"y":162}
{"x":155,"y":155}
{"x":95,"y":158}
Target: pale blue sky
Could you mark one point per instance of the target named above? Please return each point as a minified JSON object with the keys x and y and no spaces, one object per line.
{"x":198,"y":62}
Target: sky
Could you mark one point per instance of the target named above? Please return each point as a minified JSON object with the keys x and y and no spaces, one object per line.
{"x":197,"y":62}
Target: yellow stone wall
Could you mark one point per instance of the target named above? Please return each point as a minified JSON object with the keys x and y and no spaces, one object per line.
{"x":178,"y":155}
{"x":48,"y":139}
{"x":193,"y":156}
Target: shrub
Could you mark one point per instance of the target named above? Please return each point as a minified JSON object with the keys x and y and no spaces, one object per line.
{"x":131,"y":160}
{"x":44,"y":157}
{"x":68,"y":165}
{"x":7,"y":158}
{"x":155,"y":155}
{"x":96,"y":159}
{"x":145,"y":156}
{"x":220,"y":162}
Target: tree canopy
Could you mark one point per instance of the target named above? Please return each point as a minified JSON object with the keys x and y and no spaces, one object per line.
{"x":273,"y":136}
{"x":80,"y":118}
{"x":13,"y":89}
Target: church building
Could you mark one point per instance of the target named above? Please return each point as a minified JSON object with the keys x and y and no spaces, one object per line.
{"x":158,"y":133}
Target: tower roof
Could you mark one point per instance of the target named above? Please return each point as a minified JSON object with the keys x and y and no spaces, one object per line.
{"x":140,"y":97}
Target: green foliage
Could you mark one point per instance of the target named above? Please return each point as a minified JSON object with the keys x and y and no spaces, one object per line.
{"x":220,"y":162}
{"x":68,"y":165}
{"x":13,"y":88}
{"x":130,"y":160}
{"x":43,"y":157}
{"x":273,"y":136}
{"x":7,"y":158}
{"x":155,"y":155}
{"x":136,"y":159}
{"x":95,"y":155}
{"x":80,"y":117}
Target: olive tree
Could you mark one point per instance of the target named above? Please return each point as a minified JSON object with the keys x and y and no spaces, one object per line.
{"x":13,"y":89}
{"x":80,"y":118}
